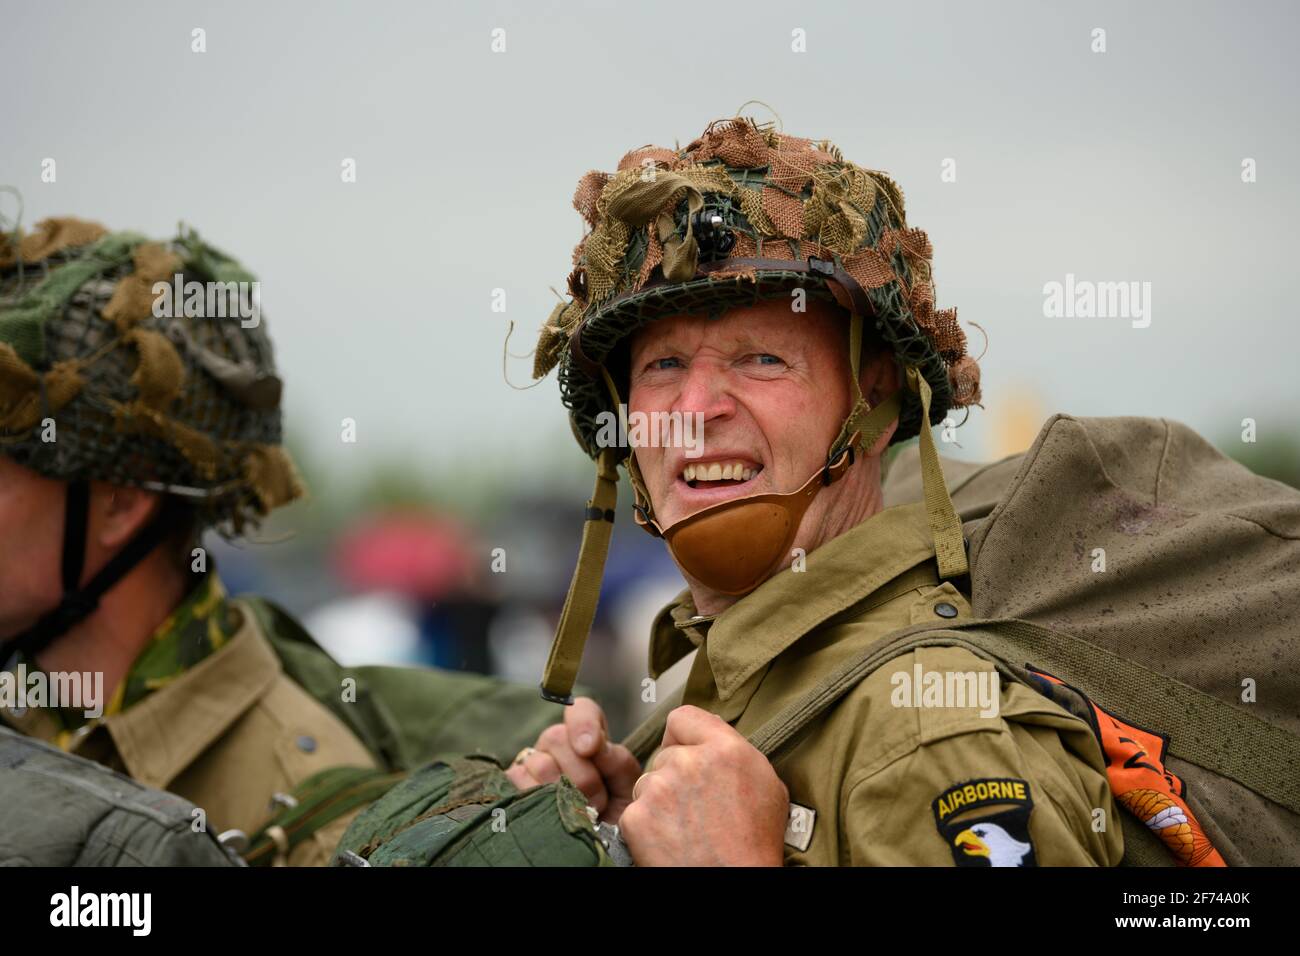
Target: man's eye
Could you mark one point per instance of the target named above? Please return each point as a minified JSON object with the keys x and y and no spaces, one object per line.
{"x":766,"y":359}
{"x":666,"y":363}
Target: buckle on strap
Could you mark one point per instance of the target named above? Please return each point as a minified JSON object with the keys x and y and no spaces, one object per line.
{"x":834,"y":461}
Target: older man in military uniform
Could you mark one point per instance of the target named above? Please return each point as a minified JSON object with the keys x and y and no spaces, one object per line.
{"x":128,"y":429}
{"x":762,"y":281}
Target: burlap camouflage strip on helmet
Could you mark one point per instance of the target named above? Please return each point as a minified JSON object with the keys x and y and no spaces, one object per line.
{"x":779,"y":197}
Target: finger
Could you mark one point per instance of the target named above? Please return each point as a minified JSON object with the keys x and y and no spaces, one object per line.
{"x":690,"y":726}
{"x":542,"y":766}
{"x":518,"y":775}
{"x":585,"y":723}
{"x":663,"y":755}
{"x":581,"y":771}
{"x":638,"y":787}
{"x":619,"y":768}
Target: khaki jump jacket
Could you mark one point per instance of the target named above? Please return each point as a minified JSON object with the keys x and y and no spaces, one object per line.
{"x":877,"y":779}
{"x":226,"y":734}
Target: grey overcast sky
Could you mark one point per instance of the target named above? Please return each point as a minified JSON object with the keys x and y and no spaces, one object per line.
{"x":1117,"y":166}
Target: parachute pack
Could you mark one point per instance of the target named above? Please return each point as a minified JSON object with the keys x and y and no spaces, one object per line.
{"x":1131,"y":572}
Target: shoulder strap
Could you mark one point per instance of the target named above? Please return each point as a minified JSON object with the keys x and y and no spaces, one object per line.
{"x":647,"y":736}
{"x":805,"y":709}
{"x":1204,"y":730}
{"x":776,"y":732}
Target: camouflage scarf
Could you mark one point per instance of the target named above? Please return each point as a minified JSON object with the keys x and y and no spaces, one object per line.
{"x":200,"y":625}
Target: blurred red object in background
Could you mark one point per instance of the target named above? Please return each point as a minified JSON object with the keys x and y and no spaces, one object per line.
{"x":413,"y":553}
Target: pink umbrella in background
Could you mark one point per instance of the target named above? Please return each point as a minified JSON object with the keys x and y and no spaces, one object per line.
{"x":412,"y":553}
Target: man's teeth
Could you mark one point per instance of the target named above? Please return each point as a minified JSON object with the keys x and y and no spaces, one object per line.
{"x":719,"y":471}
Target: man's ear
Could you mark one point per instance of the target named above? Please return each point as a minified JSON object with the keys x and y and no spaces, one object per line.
{"x":880,"y":379}
{"x":118,"y":513}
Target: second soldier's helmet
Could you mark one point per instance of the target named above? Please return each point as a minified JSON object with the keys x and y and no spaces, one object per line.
{"x":107,"y":373}
{"x":137,"y":363}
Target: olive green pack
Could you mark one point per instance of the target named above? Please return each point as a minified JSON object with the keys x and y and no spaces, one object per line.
{"x":466,"y":812}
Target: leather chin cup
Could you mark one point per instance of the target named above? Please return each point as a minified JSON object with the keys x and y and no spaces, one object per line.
{"x":734,"y":546}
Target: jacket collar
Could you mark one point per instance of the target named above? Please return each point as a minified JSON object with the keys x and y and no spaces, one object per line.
{"x":844,"y":571}
{"x":162,"y":734}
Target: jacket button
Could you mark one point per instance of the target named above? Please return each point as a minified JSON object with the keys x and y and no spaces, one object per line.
{"x":306,"y":744}
{"x":944,"y":609}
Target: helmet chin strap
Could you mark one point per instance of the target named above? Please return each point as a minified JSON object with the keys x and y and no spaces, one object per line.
{"x":584,"y":589}
{"x":733,"y":546}
{"x":78,"y":602}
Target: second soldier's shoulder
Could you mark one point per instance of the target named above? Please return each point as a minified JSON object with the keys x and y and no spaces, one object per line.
{"x":299,"y":718}
{"x":282,"y":733}
{"x":306,"y":734}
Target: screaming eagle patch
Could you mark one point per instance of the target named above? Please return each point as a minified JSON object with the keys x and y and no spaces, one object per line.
{"x":986,"y":822}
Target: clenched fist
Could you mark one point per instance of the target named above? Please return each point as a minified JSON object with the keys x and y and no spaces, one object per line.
{"x":710,"y":799}
{"x":580,"y":749}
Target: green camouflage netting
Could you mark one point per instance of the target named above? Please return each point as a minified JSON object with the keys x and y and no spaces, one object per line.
{"x":95,"y":385}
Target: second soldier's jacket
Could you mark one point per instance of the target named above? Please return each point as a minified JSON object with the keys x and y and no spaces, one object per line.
{"x":894,"y":773}
{"x":207,"y":712}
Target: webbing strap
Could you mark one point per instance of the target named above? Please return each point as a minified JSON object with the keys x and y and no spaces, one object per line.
{"x":870,"y":424}
{"x":641,"y":497}
{"x":584,"y":589}
{"x":945,"y":526}
{"x":650,"y":733}
{"x":318,"y":801}
{"x":851,"y":424}
{"x":1204,"y":730}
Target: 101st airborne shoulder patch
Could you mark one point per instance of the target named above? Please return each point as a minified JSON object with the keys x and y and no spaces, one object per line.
{"x":997,"y":836}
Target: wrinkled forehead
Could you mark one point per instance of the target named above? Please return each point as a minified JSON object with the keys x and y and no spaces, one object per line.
{"x":767,"y":324}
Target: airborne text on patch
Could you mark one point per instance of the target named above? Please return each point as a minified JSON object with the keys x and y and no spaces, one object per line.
{"x":978,"y":793}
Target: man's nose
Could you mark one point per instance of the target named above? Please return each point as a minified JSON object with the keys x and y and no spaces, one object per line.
{"x":706,"y":390}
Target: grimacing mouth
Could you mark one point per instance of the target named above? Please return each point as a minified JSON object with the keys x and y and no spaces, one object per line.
{"x":716,"y":474}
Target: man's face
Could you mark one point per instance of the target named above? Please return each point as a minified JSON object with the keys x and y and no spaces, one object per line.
{"x":772,"y":386}
{"x":31,"y":546}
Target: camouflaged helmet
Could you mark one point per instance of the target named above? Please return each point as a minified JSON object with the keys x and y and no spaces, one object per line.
{"x":745,"y":213}
{"x":183,"y":404}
